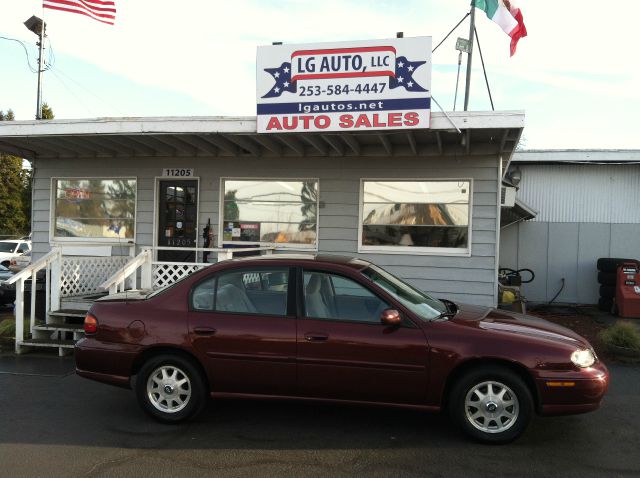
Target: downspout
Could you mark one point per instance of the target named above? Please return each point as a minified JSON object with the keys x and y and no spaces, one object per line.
{"x":497,"y":253}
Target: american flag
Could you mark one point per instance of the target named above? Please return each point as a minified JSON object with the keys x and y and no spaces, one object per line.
{"x":101,"y":10}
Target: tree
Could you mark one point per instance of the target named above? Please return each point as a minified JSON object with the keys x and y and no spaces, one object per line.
{"x":15,"y":187}
{"x":47,"y":111}
{"x":14,"y":220}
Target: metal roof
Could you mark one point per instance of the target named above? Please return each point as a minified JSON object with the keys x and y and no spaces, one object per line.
{"x":590,"y":156}
{"x":454,"y":133}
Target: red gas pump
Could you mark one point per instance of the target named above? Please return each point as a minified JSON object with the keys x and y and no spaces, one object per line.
{"x":628,"y":290}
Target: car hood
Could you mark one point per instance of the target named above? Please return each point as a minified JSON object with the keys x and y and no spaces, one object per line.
{"x":491,"y":319}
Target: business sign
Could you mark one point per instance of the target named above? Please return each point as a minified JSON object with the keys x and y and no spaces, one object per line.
{"x":362,"y":85}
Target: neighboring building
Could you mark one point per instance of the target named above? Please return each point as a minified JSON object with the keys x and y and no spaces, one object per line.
{"x":588,"y":206}
{"x":423,"y":203}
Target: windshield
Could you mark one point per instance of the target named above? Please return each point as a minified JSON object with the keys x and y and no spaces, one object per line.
{"x":8,"y":246}
{"x":425,"y":307}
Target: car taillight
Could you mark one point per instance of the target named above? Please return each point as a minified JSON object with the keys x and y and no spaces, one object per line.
{"x":90,"y":324}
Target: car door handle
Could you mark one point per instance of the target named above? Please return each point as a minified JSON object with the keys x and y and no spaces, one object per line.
{"x":204,"y":330}
{"x":315,"y":337}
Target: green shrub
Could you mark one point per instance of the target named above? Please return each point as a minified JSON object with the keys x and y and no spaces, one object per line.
{"x":623,"y":334}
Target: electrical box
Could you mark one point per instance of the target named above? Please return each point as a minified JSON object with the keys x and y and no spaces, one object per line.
{"x":628,"y":290}
{"x":507,"y":196}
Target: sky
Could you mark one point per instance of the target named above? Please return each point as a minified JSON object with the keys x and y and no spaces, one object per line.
{"x":575,"y":75}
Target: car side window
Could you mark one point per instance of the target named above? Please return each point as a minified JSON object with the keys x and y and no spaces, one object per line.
{"x":253,"y":291}
{"x":333,"y":297}
{"x":202,"y":295}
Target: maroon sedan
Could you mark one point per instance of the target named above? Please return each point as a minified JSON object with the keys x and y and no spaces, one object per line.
{"x":335,"y":329}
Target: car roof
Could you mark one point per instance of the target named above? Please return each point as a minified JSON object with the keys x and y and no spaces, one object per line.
{"x":353,"y":262}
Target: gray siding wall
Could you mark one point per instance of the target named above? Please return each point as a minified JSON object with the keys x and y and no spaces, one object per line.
{"x":586,"y":211}
{"x":565,"y":250}
{"x":468,"y":279}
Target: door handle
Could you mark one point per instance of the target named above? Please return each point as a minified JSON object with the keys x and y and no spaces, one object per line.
{"x":315,"y":337}
{"x":204,"y":330}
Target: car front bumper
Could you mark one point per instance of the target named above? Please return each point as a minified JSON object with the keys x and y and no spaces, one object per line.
{"x":571,"y":392}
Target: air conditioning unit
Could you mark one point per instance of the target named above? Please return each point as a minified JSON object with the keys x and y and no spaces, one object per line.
{"x":507,"y":196}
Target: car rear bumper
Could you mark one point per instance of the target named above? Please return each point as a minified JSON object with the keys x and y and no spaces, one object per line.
{"x":567,"y":393}
{"x":105,"y":362}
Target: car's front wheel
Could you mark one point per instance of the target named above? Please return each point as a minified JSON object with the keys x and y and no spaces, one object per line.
{"x":170,"y":388}
{"x":491,"y":404}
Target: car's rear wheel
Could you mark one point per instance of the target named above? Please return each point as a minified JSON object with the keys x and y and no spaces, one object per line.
{"x":170,"y":388}
{"x":491,"y":404}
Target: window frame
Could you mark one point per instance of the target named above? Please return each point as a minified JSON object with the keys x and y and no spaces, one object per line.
{"x":53,"y":188}
{"x":302,"y":306}
{"x":290,"y":312}
{"x":280,"y":245}
{"x":411,"y":250}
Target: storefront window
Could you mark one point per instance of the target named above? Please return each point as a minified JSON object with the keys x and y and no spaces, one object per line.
{"x":270,"y":211}
{"x":94,"y":209}
{"x":421,"y":216}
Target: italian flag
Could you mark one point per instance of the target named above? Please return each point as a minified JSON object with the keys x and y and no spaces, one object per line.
{"x":507,"y":16}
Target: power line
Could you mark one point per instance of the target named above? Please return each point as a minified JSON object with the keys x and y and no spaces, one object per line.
{"x":80,"y":85}
{"x":33,"y":70}
{"x":72,"y":93}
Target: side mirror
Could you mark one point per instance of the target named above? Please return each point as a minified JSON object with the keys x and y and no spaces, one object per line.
{"x":20,"y":251}
{"x":391,"y":317}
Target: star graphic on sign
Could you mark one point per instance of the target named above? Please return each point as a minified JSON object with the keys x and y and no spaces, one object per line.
{"x":282,"y":77}
{"x":405,"y":70}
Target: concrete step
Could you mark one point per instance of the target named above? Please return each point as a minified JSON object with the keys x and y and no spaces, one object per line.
{"x":65,"y":344}
{"x":54,"y":326}
{"x":80,"y":313}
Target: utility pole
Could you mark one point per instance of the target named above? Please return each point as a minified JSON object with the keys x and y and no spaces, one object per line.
{"x":38,"y":27}
{"x":472,"y":15}
{"x":40,"y":70}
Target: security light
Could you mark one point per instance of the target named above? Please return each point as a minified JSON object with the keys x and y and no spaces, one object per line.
{"x":35,"y":25}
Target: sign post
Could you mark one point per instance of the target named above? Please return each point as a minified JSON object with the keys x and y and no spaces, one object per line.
{"x":357,"y":86}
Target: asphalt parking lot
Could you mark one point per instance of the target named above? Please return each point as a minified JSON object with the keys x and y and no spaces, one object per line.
{"x":55,"y":423}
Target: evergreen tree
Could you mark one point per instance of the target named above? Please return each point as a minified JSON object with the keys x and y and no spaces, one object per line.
{"x":13,"y":218}
{"x":15,"y":187}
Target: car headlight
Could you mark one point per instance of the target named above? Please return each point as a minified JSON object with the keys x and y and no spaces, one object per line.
{"x":583,"y":358}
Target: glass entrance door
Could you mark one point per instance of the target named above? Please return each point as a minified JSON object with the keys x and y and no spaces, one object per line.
{"x":177,"y":221}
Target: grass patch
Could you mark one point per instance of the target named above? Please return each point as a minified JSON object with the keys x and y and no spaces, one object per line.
{"x":623,"y":334}
{"x":8,"y":329}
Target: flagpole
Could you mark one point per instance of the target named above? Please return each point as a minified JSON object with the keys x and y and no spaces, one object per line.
{"x":470,"y":55}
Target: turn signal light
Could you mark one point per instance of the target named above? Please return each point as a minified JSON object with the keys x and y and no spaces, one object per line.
{"x":90,"y":324}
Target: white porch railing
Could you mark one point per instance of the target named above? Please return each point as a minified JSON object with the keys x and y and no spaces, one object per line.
{"x":156,"y":274}
{"x":30,"y":272}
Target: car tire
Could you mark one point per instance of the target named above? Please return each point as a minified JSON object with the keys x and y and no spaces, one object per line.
{"x":607,"y":291}
{"x":507,"y":404}
{"x":610,"y":264}
{"x":607,"y":278}
{"x":170,"y":388}
{"x":605,"y":304}
{"x":6,"y":264}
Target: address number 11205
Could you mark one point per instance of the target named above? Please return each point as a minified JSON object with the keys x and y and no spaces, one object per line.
{"x":177,"y":172}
